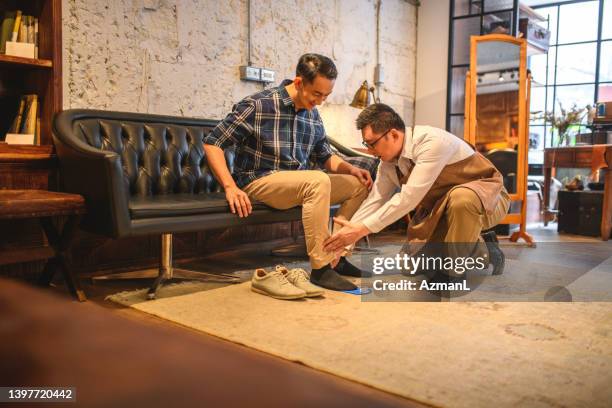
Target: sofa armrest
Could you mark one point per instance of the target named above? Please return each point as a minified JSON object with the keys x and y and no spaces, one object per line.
{"x":95,"y":174}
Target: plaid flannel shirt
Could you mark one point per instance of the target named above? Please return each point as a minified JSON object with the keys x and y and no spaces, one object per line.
{"x":269,"y":135}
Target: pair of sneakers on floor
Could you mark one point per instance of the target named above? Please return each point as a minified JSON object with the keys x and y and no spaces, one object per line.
{"x":296,"y":283}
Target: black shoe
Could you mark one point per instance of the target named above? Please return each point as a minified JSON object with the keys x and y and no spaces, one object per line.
{"x":328,"y":278}
{"x":496,"y":257}
{"x":346,"y":268}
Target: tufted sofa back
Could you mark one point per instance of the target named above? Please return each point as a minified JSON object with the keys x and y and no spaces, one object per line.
{"x":156,"y":157}
{"x":122,"y":162}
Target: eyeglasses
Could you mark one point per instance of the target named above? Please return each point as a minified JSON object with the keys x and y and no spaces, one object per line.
{"x":370,"y":145}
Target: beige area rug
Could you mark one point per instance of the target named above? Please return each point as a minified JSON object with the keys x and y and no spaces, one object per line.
{"x":444,"y":354}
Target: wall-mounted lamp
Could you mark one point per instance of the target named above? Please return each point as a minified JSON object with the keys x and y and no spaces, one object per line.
{"x":501,"y":76}
{"x":362,"y":96}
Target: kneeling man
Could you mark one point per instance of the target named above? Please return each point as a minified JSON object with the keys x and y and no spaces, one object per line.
{"x":455,"y":191}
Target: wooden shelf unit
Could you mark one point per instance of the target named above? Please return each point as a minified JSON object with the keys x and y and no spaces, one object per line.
{"x":42,"y":76}
{"x":31,"y":62}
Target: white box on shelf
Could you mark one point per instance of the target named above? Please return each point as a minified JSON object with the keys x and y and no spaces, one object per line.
{"x":19,"y":138}
{"x":20,"y":49}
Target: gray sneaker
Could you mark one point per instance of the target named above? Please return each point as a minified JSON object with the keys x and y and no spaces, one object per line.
{"x":301,"y":279}
{"x":275,"y":284}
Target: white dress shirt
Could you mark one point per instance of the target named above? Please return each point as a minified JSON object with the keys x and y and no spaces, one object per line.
{"x":430,"y":149}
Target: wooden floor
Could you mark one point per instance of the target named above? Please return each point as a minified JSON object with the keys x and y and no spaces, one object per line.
{"x":248,"y":256}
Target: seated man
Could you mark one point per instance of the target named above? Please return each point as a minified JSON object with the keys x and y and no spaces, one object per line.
{"x":276,"y":133}
{"x":456,"y":191}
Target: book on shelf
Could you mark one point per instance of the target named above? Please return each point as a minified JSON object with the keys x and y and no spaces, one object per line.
{"x":18,"y":118}
{"x":6,"y":30}
{"x":36,"y":38}
{"x":29,"y":120}
{"x":26,"y":121}
{"x":31,"y":30}
{"x":37,"y":136}
{"x":19,"y":28}
{"x":23,"y":30}
{"x":16,"y":25}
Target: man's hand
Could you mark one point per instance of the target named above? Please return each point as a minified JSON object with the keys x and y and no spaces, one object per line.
{"x":363,"y":175}
{"x":238,"y":201}
{"x":347,"y":235}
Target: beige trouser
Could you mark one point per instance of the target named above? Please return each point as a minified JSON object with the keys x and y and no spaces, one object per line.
{"x":464,"y":219}
{"x":314,"y":190}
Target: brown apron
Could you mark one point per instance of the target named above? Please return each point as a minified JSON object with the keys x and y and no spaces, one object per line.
{"x":474,"y":172}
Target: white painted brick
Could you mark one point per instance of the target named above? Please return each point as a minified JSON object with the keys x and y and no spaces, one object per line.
{"x":181,"y":57}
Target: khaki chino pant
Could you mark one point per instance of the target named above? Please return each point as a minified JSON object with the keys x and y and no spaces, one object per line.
{"x":464,"y":219}
{"x":314,"y":190}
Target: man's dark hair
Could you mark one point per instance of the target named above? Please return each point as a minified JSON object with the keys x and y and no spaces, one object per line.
{"x":381,"y":118}
{"x":311,"y":65}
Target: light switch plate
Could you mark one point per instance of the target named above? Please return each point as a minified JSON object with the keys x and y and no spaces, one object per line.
{"x":249,"y":73}
{"x":267,"y":75}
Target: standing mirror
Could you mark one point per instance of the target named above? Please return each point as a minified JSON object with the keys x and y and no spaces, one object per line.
{"x":496,"y":121}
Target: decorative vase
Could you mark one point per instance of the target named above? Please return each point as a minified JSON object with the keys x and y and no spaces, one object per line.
{"x":564,"y":139}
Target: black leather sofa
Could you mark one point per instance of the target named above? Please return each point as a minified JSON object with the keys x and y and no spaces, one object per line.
{"x":146,"y":174}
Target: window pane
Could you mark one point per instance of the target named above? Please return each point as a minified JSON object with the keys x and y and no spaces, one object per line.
{"x":536,"y":104}
{"x":536,"y":137}
{"x":463,"y":29}
{"x":605,"y":62}
{"x":536,"y":144}
{"x":551,"y":13}
{"x":492,"y":5}
{"x":576,"y":63}
{"x":581,"y":95}
{"x":605,"y":93}
{"x":537,"y":65}
{"x":499,"y":23}
{"x":465,"y":7}
{"x":535,"y":157}
{"x":606,"y":30}
{"x":458,"y":90}
{"x":456,"y":126}
{"x":578,"y":22}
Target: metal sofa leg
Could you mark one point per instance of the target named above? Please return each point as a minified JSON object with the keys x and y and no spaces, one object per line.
{"x":167,"y":272}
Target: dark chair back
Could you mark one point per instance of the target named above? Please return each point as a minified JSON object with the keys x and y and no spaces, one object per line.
{"x":158,"y":154}
{"x":506,"y":161}
{"x":109,"y":157}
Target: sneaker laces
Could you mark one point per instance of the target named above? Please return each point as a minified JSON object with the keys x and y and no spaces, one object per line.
{"x":295,"y":274}
{"x":300,"y":274}
{"x":282,"y":279}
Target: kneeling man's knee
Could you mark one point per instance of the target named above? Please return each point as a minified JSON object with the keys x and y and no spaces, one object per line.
{"x":464,"y":200}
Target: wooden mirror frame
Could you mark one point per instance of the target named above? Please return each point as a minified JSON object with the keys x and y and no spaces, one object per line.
{"x":469,"y":133}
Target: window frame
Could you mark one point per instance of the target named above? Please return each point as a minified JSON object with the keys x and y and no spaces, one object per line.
{"x":548,"y":135}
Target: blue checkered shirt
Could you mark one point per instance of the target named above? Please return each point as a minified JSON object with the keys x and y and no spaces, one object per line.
{"x":270,"y":135}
